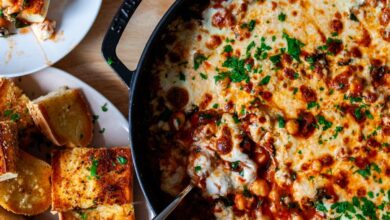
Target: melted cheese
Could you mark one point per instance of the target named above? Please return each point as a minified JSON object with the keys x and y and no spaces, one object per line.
{"x":301,"y":163}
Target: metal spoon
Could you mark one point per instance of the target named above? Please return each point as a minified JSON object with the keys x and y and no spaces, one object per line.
{"x":165,"y":213}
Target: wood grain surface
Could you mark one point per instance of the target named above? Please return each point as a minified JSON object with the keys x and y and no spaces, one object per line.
{"x":86,"y":61}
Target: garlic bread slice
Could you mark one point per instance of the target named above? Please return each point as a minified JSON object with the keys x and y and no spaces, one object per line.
{"x":64,"y":116}
{"x":28,"y":193}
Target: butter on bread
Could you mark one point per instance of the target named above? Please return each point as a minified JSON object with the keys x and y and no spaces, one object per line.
{"x":102,"y":212}
{"x":98,"y":176}
{"x":64,"y":116}
{"x":8,"y":150}
{"x":27,"y":194}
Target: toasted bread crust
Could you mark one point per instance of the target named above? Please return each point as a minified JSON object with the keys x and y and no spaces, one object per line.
{"x":98,"y":176}
{"x":13,"y":105}
{"x":27,"y":194}
{"x":114,"y":212}
{"x":4,"y":214}
{"x":8,"y":150}
{"x":50,"y":118}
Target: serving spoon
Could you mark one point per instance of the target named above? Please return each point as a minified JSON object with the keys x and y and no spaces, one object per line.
{"x":168,"y":210}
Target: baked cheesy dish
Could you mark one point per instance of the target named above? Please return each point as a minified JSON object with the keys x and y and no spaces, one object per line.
{"x":16,"y":14}
{"x":277,"y":109}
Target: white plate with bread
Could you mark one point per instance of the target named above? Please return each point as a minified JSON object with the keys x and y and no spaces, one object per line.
{"x":52,"y":30}
{"x":64,"y":152}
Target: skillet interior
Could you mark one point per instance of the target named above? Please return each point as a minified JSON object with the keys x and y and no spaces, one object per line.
{"x":145,"y":158}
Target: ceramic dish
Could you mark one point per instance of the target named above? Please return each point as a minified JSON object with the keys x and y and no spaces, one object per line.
{"x":115,"y":134}
{"x":23,"y":53}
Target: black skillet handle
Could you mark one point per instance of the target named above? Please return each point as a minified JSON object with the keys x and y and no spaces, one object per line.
{"x":113,"y":36}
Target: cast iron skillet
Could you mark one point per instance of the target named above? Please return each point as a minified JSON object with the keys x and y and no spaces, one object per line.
{"x":139,"y":92}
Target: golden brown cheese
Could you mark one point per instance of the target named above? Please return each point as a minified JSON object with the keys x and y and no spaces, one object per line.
{"x":97,"y":176}
{"x":308,"y":85}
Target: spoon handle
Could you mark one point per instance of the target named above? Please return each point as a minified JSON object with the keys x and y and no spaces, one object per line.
{"x":165,"y":213}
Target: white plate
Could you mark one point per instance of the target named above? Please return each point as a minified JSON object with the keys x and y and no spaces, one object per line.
{"x":22,"y":54}
{"x":116,"y":126}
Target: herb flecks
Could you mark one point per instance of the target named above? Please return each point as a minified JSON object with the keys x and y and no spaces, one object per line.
{"x":237,"y":71}
{"x":121,"y":160}
{"x":198,"y":60}
{"x":293,"y":46}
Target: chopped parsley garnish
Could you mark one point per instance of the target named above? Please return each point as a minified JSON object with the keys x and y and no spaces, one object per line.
{"x":236,"y":119}
{"x":276,"y":59}
{"x":353,"y":99}
{"x":261,"y":52}
{"x":282,"y":16}
{"x":366,"y":172}
{"x":121,"y":160}
{"x":198,"y":60}
{"x":320,"y":206}
{"x":1,"y":13}
{"x":228,"y":40}
{"x":237,"y":71}
{"x":15,"y":117}
{"x":293,"y":46}
{"x":322,"y":121}
{"x":215,"y":105}
{"x":83,"y":215}
{"x":94,"y":167}
{"x":353,"y":17}
{"x":7,"y":112}
{"x":249,"y":48}
{"x":295,"y":90}
{"x":182,"y":77}
{"x":251,"y":25}
{"x":343,"y":207}
{"x":358,"y":112}
{"x":235,"y":165}
{"x":369,"y":115}
{"x":104,"y":107}
{"x":221,"y":76}
{"x":228,"y":49}
{"x":311,"y":105}
{"x":338,"y":130}
{"x":197,"y":168}
{"x":203,"y":76}
{"x":110,"y":61}
{"x":333,"y":40}
{"x":281,"y":121}
{"x":265,"y":80}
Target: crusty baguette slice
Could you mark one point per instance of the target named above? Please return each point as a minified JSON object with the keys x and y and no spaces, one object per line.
{"x":35,"y":11}
{"x":97,"y":176}
{"x":28,"y":193}
{"x":103,"y":212}
{"x":13,"y":105}
{"x":8,"y":150}
{"x":64,"y":117}
{"x":5,"y":215}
